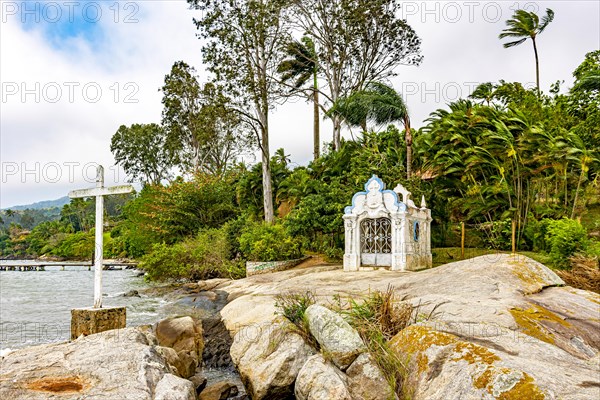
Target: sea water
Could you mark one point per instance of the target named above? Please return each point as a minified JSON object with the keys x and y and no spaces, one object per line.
{"x":35,"y":306}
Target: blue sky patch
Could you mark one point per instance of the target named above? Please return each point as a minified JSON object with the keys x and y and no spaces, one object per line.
{"x":61,"y":21}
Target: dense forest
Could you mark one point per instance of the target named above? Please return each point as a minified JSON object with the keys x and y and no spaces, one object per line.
{"x":506,"y":153}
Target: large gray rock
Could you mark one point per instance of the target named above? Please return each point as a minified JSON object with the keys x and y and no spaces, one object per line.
{"x":268,"y":358}
{"x":337,"y":338}
{"x":321,"y":380}
{"x":445,"y":367}
{"x":511,"y":306}
{"x":366,"y":381}
{"x":171,"y":387}
{"x":115,"y":364}
{"x":184,"y":335}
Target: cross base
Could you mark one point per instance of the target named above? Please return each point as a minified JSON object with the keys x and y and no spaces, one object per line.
{"x":88,"y":321}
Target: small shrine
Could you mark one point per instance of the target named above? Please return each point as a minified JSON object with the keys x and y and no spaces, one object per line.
{"x":384,"y":231}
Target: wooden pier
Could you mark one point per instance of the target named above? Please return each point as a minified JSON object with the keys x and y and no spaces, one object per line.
{"x":9,"y":265}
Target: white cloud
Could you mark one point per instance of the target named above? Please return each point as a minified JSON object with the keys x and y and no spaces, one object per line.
{"x":456,"y":55}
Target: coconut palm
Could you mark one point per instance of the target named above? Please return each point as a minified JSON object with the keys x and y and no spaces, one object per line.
{"x":525,"y":25}
{"x":301,"y":66}
{"x":380,"y":104}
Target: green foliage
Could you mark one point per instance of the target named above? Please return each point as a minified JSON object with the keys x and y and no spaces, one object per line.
{"x":378,"y":318}
{"x":202,"y":257}
{"x":28,"y":218}
{"x":202,"y":129}
{"x":293,"y":307}
{"x":249,"y":189}
{"x":269,"y":242}
{"x":144,"y":152}
{"x":564,"y":238}
{"x":498,"y":235}
{"x":171,"y":213}
{"x":76,"y":246}
{"x":47,"y":235}
{"x":377,"y":103}
{"x":320,"y":192}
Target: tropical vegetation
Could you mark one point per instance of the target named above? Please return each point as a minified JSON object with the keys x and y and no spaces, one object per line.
{"x":504,"y":155}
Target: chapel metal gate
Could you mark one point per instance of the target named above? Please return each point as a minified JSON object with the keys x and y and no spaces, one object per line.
{"x":376,"y":242}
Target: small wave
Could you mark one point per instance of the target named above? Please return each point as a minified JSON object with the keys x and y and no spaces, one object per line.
{"x":5,"y":352}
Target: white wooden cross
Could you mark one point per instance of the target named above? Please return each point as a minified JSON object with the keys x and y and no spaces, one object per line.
{"x":99,"y":192}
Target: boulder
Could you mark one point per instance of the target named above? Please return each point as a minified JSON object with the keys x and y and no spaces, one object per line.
{"x":321,"y":380}
{"x":184,"y":335}
{"x":199,"y":382}
{"x":444,"y":366}
{"x":119,"y":364}
{"x":366,"y":381}
{"x":219,"y":391}
{"x":132,"y":293}
{"x":268,"y":358}
{"x":508,"y":305}
{"x":172,"y":358}
{"x":337,"y":338}
{"x":171,"y":387}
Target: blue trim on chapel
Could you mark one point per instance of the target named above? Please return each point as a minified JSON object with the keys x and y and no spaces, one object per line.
{"x":401,"y":205}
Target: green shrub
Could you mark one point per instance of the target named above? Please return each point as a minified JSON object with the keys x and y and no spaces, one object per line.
{"x":564,"y":238}
{"x":535,"y":234}
{"x":269,"y":242}
{"x":79,"y":245}
{"x":498,"y":235}
{"x":204,"y":257}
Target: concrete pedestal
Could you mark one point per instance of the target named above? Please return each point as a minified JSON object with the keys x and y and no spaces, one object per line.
{"x":87,"y":321}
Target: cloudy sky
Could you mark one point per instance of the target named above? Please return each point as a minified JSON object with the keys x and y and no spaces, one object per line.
{"x":72,"y":72}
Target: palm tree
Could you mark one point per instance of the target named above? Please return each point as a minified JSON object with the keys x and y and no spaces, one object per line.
{"x":484,"y":92}
{"x":301,"y":66}
{"x":524,"y":25}
{"x":380,"y":104}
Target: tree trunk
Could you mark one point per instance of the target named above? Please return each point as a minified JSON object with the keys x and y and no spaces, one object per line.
{"x":316,"y":121}
{"x":577,"y":190}
{"x":408,"y":138}
{"x":537,"y":67}
{"x":337,"y":129}
{"x":266,"y":174}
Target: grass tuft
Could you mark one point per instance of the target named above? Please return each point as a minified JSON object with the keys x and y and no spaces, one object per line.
{"x":378,"y":318}
{"x":584,"y":274}
{"x":293,"y":307}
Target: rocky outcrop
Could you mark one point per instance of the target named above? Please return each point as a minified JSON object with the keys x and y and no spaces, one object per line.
{"x":366,"y":382}
{"x":219,"y":391}
{"x":120,"y":364}
{"x":336,"y":337}
{"x":184,"y":336}
{"x":268,"y":358}
{"x":171,"y":387}
{"x":497,"y":326}
{"x":321,"y":380}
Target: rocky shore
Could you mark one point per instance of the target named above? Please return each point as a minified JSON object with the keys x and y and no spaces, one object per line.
{"x":493,"y":327}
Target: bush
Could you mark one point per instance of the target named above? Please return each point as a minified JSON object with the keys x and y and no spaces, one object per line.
{"x":535,"y":233}
{"x":269,"y":242}
{"x":204,"y":257}
{"x":564,"y":238}
{"x":79,"y":245}
{"x":498,"y":235}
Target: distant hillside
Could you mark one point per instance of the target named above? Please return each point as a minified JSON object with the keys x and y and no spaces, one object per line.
{"x":40,"y":205}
